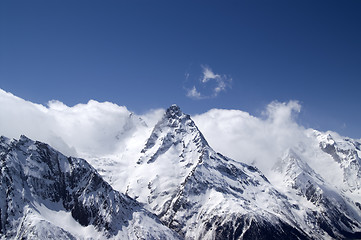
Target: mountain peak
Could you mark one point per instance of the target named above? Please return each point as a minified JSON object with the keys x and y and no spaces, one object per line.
{"x":174,"y":129}
{"x":174,"y":111}
{"x":24,"y":138}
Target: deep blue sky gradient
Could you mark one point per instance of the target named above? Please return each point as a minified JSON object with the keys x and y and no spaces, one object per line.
{"x":137,"y":53}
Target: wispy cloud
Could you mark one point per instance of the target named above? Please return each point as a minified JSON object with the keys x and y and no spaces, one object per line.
{"x":208,"y":74}
{"x":222,"y":82}
{"x":193,"y":93}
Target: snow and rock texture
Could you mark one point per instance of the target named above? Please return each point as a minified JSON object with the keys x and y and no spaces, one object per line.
{"x":325,"y":209}
{"x":202,"y":194}
{"x":346,"y":153}
{"x":312,"y":191}
{"x":45,"y":195}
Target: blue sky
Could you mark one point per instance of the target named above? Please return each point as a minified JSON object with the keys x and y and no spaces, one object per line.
{"x":150,"y":54}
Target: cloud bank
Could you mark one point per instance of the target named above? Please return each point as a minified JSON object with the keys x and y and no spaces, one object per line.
{"x":221,"y":83}
{"x":256,"y":141}
{"x":109,"y":131}
{"x":95,"y":128}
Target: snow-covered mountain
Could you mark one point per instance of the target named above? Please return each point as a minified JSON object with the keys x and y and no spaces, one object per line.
{"x":45,"y":195}
{"x":326,"y":210}
{"x":186,"y":189}
{"x":346,"y":153}
{"x":202,"y":194}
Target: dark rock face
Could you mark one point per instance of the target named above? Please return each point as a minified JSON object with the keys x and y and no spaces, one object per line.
{"x":34,"y":173}
{"x":257,"y":229}
{"x":47,"y":175}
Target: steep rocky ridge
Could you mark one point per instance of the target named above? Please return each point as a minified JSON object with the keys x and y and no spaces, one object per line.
{"x":47,"y":195}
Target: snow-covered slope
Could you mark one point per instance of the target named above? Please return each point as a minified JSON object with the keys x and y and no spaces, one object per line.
{"x":204,"y":195}
{"x":326,"y":210}
{"x":45,"y":195}
{"x":346,"y":153}
{"x":312,"y":191}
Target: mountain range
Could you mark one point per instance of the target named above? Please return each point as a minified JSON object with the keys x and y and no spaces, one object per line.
{"x":175,"y":186}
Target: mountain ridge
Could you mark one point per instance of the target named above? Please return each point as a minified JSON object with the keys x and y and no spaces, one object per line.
{"x":197,"y":192}
{"x":201,"y":172}
{"x":40,"y":183}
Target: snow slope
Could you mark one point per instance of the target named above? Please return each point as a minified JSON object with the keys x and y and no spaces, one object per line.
{"x":47,"y":195}
{"x":325,"y":209}
{"x":202,"y":194}
{"x":346,"y":154}
{"x":311,"y":189}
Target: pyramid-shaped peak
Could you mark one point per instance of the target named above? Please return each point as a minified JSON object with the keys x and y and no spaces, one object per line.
{"x":174,"y":128}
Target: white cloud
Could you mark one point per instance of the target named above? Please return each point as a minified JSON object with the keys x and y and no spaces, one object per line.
{"x":193,"y":93}
{"x":208,"y":74}
{"x":250,"y":139}
{"x":220,"y":87}
{"x":222,"y":82}
{"x":282,"y":113}
{"x":94,"y":128}
{"x":111,"y":137}
{"x":101,"y":129}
